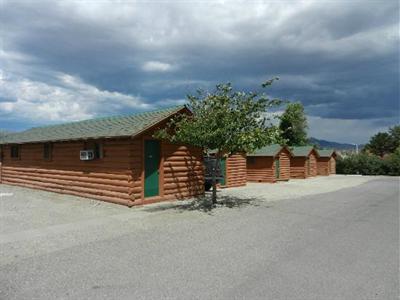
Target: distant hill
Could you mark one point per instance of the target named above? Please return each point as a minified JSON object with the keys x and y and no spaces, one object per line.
{"x":333,"y":145}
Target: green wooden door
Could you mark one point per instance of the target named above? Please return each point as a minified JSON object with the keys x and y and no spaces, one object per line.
{"x":151,"y":165}
{"x":223,"y":171}
{"x":277,"y":168}
{"x":308,"y":167}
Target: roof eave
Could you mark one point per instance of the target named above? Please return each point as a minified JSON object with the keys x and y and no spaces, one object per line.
{"x":143,"y":130}
{"x":183,"y":107}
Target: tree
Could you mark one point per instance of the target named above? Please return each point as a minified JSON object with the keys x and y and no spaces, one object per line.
{"x":395,"y":136}
{"x":380,"y":144}
{"x":225,"y":121}
{"x":293,"y":124}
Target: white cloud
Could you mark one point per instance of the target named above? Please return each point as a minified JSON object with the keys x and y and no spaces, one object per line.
{"x":70,"y":100}
{"x":327,"y":53}
{"x":157,"y":66}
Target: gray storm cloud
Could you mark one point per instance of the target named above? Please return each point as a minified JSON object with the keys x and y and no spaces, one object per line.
{"x":339,"y":58}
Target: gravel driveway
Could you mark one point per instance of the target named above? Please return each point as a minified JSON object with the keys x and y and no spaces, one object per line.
{"x":296,"y":187}
{"x":34,"y":221}
{"x":324,"y":238}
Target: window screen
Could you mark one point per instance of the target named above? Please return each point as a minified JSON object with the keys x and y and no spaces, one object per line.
{"x":14,"y":151}
{"x":47,"y":151}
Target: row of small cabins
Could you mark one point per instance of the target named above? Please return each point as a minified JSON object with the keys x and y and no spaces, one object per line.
{"x":116,"y":159}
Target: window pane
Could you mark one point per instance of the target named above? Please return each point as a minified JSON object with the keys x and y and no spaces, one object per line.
{"x":47,"y":149}
{"x":14,"y":151}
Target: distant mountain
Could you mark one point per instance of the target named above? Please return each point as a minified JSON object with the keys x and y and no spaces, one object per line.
{"x":333,"y":145}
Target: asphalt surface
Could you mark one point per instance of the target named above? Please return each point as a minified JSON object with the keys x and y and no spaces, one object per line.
{"x":338,"y":245}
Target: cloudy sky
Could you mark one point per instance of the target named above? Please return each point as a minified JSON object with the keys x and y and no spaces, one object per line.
{"x":71,"y":60}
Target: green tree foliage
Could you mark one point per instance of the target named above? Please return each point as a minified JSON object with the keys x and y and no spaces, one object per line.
{"x":362,"y":164}
{"x":226,"y":121}
{"x":381,"y":156}
{"x":395,"y":136}
{"x":380,"y":144}
{"x":392,"y":163}
{"x":367,"y":164}
{"x":293,"y":124}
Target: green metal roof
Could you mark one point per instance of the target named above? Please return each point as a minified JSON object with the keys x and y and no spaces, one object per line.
{"x":116,"y":126}
{"x":270,"y":150}
{"x":325,"y":152}
{"x":301,"y":151}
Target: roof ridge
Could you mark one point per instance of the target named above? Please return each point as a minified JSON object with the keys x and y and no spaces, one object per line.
{"x":170,"y":108}
{"x":110,"y":126}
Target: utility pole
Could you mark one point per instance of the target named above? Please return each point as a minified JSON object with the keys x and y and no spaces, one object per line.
{"x":356,"y":148}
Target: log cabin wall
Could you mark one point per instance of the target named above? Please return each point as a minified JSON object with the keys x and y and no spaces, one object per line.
{"x":284,"y":164}
{"x":108,"y":178}
{"x":117,"y":177}
{"x":298,"y":167}
{"x":260,"y":169}
{"x":236,"y":174}
{"x":313,"y":164}
{"x":183,"y":171}
{"x":332,"y":166}
{"x":323,"y":166}
{"x":1,"y":160}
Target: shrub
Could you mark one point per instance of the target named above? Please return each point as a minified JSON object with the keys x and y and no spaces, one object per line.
{"x":366,"y":164}
{"x":392,"y":164}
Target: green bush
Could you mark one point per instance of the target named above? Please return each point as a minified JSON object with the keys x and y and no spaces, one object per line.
{"x":392,"y":164}
{"x":366,"y":164}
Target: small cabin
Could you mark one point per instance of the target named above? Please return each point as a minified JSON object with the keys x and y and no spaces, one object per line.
{"x":326,"y":162}
{"x":232,"y":169}
{"x":114,"y":159}
{"x":269,"y":164}
{"x":303,"y":162}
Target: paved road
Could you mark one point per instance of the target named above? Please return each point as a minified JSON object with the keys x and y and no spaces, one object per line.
{"x":338,"y":245}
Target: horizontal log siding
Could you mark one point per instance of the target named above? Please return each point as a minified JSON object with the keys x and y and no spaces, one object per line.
{"x":108,"y":179}
{"x":313,"y":164}
{"x":332,"y":169}
{"x":260,"y":169}
{"x":136,"y":166}
{"x":298,"y":167}
{"x":323,"y":166}
{"x":183,"y":174}
{"x":117,"y":177}
{"x":284,"y":161}
{"x":236,"y":174}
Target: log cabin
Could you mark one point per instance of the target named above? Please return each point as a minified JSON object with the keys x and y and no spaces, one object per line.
{"x":303,"y":162}
{"x":269,"y":164}
{"x":332,"y":165}
{"x":114,"y":159}
{"x":233,"y":169}
{"x":326,"y":162}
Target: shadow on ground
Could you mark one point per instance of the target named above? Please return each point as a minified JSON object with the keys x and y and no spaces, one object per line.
{"x":204,"y":204}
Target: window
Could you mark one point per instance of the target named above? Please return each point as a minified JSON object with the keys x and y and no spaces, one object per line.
{"x":97,"y":148}
{"x":15,"y":151}
{"x":47,"y":151}
{"x":251,"y":160}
